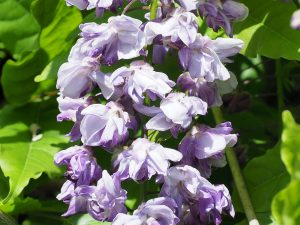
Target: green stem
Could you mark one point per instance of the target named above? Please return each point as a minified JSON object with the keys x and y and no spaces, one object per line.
{"x":237,"y":175}
{"x":153,"y":9}
{"x":153,"y":12}
{"x":280,"y":93}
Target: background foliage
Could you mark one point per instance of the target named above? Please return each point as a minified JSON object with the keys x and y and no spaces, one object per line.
{"x":35,"y":39}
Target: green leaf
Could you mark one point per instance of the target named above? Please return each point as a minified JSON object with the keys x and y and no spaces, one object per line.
{"x":43,"y":219}
{"x":13,"y":19}
{"x":290,"y":143}
{"x":50,"y":71}
{"x":4,"y":185}
{"x":20,"y":205}
{"x":285,"y":205}
{"x":58,"y":22}
{"x":265,"y":176}
{"x":17,"y":77}
{"x":156,"y":136}
{"x":267,"y":31}
{"x":140,"y":192}
{"x":23,"y":155}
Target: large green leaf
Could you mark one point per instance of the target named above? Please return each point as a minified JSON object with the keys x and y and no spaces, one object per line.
{"x":267,"y":30}
{"x":14,"y":18}
{"x":57,"y":21}
{"x":17,"y":77}
{"x":265,"y":177}
{"x":20,"y":205}
{"x":290,"y":145}
{"x":285,"y":206}
{"x":23,"y":157}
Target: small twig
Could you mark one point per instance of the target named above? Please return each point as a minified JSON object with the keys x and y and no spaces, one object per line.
{"x":128,"y":6}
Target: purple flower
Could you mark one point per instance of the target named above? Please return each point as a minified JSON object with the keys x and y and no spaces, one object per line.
{"x":80,"y":4}
{"x":203,"y":147}
{"x":103,"y":202}
{"x":158,"y":211}
{"x":210,"y":92}
{"x":74,"y":79}
{"x":188,"y":5}
{"x":182,"y":184}
{"x":159,"y":53}
{"x":82,"y":166}
{"x":105,"y":125}
{"x":203,"y":57}
{"x":181,"y":25}
{"x":100,"y":5}
{"x":175,"y":112}
{"x":77,"y":202}
{"x":295,"y":21}
{"x":196,"y":195}
{"x":67,"y":192}
{"x":212,"y":203}
{"x":137,"y":80}
{"x":82,"y":169}
{"x":70,"y":109}
{"x":143,"y":159}
{"x":222,"y":13}
{"x":120,"y":38}
{"x":200,"y":88}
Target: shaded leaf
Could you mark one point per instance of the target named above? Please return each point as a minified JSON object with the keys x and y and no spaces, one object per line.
{"x":21,"y":157}
{"x":265,"y":176}
{"x":285,"y":206}
{"x":20,"y":205}
{"x":17,"y":77}
{"x":50,"y":71}
{"x":290,"y":145}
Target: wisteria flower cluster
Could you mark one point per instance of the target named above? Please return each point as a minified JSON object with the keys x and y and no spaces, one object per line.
{"x":116,"y":112}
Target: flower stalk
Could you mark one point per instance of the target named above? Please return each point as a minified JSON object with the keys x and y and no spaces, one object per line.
{"x":153,"y":9}
{"x":237,"y":175}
